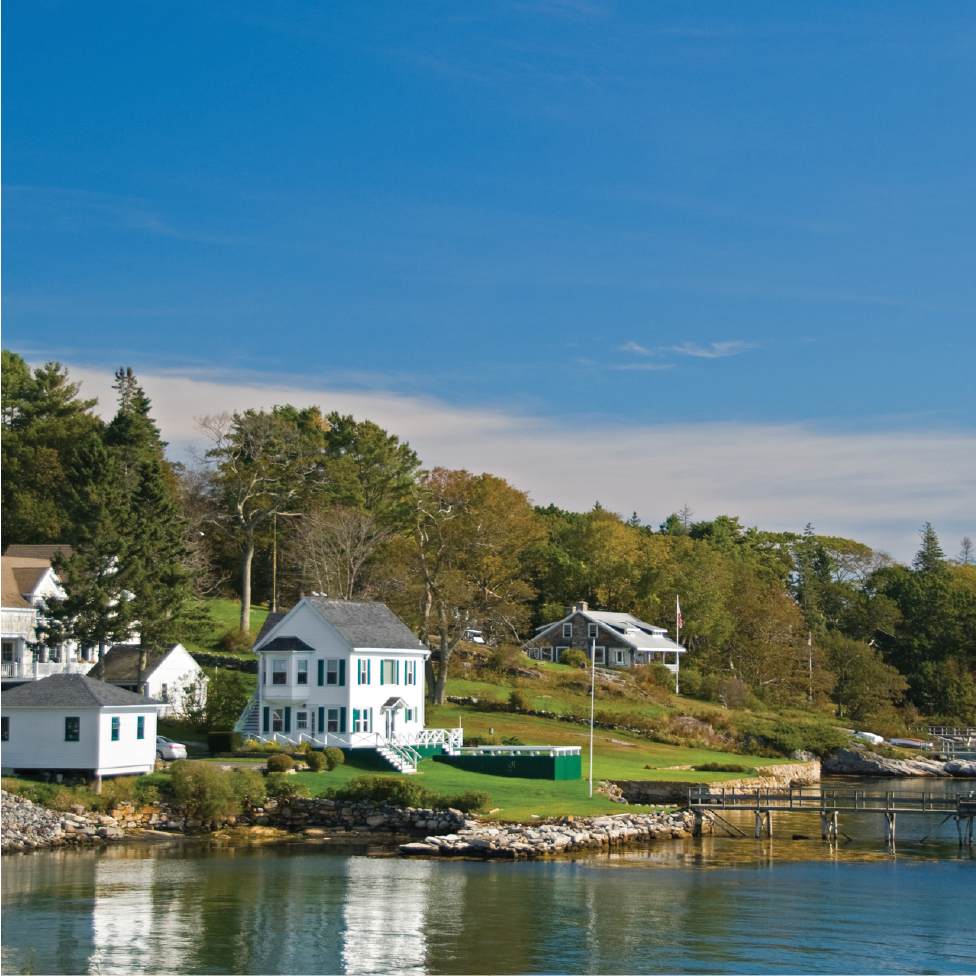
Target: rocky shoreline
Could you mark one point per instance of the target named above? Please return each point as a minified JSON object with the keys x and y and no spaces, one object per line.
{"x":26,"y":826}
{"x":529,"y":841}
{"x":853,"y":762}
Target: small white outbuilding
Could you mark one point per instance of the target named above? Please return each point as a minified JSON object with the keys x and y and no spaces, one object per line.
{"x":72,"y":723}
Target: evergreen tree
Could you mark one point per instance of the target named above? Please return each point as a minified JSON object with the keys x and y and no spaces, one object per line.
{"x":930,"y":558}
{"x":127,"y":574}
{"x":44,"y":421}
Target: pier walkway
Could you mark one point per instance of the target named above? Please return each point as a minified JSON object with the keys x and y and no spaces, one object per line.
{"x":710,"y":804}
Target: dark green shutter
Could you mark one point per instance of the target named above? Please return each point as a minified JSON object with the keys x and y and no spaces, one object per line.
{"x":287,"y":719}
{"x":342,"y":672}
{"x":355,"y":720}
{"x":398,"y":672}
{"x":266,"y":719}
{"x":381,"y":671}
{"x":342,"y":721}
{"x":321,"y":673}
{"x":322,"y":720}
{"x":367,"y":672}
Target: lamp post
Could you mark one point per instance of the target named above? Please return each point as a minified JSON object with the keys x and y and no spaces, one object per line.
{"x":592,"y":705}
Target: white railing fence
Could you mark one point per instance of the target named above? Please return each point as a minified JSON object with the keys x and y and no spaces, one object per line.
{"x":520,"y":751}
{"x":35,"y":670}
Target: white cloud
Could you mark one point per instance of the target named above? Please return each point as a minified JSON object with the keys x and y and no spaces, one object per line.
{"x":633,"y":347}
{"x":878,"y":487}
{"x":714,"y":350}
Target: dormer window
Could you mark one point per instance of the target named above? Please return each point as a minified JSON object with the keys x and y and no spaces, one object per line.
{"x":567,"y":630}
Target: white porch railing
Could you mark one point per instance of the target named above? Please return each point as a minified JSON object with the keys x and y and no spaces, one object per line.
{"x":249,"y":709}
{"x":520,"y":751}
{"x":33,"y":671}
{"x":369,"y":740}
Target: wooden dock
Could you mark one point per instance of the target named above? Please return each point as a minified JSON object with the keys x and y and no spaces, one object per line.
{"x":708,"y":803}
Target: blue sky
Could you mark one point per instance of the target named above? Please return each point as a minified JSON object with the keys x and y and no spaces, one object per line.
{"x":591,"y":216}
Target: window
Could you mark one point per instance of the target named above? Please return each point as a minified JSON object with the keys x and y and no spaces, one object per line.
{"x":410,"y":713}
{"x":331,"y":672}
{"x":8,"y":652}
{"x":591,"y":630}
{"x":5,"y":728}
{"x":559,"y":651}
{"x":140,"y":727}
{"x":567,"y":630}
{"x":600,"y":655}
{"x":619,"y":656}
{"x":277,"y":720}
{"x":389,"y":672}
{"x":264,"y":672}
{"x":279,"y":672}
{"x":115,"y":729}
{"x":72,"y":730}
{"x":301,"y":720}
{"x":409,"y":672}
{"x":362,"y":720}
{"x":164,"y":693}
{"x":362,"y":671}
{"x":332,"y":720}
{"x":302,"y":673}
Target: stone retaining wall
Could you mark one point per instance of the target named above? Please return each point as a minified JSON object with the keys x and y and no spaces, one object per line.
{"x":772,"y":778}
{"x":228,"y":663}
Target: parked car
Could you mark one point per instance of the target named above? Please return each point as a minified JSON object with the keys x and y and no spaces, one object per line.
{"x":169,"y":749}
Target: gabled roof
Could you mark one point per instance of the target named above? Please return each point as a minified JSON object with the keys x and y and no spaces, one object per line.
{"x":367,"y":624}
{"x":20,"y":575}
{"x":394,"y":702}
{"x":46,"y":550}
{"x":271,"y":621}
{"x":71,"y":691}
{"x":287,"y":644}
{"x":121,"y":662}
{"x":627,"y":628}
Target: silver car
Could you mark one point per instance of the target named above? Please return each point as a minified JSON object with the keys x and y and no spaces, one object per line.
{"x":169,"y":749}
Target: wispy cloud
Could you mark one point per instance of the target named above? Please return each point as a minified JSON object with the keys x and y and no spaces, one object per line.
{"x":633,"y":347}
{"x":645,"y":366}
{"x":877,"y":486}
{"x":714,"y":350}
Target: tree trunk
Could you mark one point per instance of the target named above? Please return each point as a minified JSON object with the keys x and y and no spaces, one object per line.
{"x":440,"y":688}
{"x":429,"y":675}
{"x":246,"y":584}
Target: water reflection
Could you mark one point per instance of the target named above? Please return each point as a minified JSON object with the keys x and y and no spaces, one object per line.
{"x":712,"y":904}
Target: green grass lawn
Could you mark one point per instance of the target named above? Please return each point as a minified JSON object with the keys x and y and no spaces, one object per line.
{"x":226,"y":614}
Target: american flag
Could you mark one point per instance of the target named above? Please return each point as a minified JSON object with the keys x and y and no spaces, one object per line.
{"x":677,"y":601}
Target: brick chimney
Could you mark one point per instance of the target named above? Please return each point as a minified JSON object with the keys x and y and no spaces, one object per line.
{"x":577,"y":607}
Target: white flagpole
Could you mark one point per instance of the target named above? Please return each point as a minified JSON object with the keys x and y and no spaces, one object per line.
{"x":592,"y":706}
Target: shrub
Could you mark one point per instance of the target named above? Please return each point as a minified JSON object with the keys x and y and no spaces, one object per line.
{"x":207,"y":791}
{"x":714,"y":767}
{"x":574,"y":658}
{"x":333,"y":757}
{"x":512,"y":740}
{"x":405,"y":793}
{"x":735,"y":694}
{"x":279,"y":785}
{"x":224,"y":740}
{"x":473,"y":801}
{"x":518,"y":701}
{"x":251,"y":745}
{"x":304,"y":747}
{"x":690,"y":682}
{"x":316,"y":761}
{"x":279,"y":762}
{"x":237,"y":641}
{"x":481,"y":740}
{"x":248,"y":784}
{"x":663,"y":677}
{"x":118,"y":790}
{"x":506,"y":658}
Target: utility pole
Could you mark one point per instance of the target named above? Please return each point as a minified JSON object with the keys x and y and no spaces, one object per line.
{"x":274,"y":562}
{"x":592,"y":705}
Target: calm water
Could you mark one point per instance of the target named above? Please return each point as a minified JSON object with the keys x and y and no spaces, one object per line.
{"x":713,"y":905}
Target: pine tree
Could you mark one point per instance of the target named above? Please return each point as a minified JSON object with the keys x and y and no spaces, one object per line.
{"x":44,"y":421}
{"x":930,"y":558}
{"x":127,"y":575}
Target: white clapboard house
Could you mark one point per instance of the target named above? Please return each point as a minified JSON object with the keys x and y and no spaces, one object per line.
{"x":613,"y":639}
{"x":72,"y":723}
{"x":168,"y":674}
{"x":346,"y":674}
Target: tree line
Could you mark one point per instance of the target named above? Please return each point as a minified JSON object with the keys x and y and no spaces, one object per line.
{"x":289,"y":501}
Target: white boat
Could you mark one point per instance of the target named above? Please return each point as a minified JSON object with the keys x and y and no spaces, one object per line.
{"x":912,"y":743}
{"x":868,"y":737}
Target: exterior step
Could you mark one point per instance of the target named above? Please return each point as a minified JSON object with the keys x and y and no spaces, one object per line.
{"x":396,"y":762}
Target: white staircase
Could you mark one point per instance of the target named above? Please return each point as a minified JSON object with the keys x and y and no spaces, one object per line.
{"x":249,"y":724}
{"x":403,"y":758}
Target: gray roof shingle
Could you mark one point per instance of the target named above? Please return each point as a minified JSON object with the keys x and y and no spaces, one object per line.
{"x":270,"y":622}
{"x":121,"y":662}
{"x":367,"y":624}
{"x":72,"y":691}
{"x":287,"y":644}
